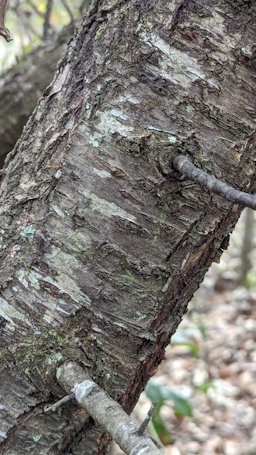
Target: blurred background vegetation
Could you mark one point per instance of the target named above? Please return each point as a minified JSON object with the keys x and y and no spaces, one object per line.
{"x":205,"y":390}
{"x":31,"y":22}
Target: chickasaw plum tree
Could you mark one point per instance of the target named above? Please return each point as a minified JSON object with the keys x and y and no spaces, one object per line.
{"x":102,"y":242}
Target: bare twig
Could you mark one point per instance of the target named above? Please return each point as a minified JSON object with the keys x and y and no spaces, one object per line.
{"x":146,"y":421}
{"x":47,"y":16}
{"x":67,"y":8}
{"x":105,"y":411}
{"x":59,"y":403}
{"x":4,"y":32}
{"x":189,"y":170}
{"x":26,"y":23}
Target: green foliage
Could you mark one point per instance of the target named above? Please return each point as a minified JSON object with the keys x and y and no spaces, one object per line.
{"x":161,"y":395}
{"x":250,"y":280}
{"x":179,"y":339}
{"x":204,"y":386}
{"x":181,"y":406}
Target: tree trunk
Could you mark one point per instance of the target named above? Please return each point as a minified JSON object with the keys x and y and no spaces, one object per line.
{"x":102,"y":243}
{"x":23,"y":84}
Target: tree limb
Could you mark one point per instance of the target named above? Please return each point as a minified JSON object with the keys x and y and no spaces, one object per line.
{"x":189,"y":170}
{"x":47,"y":16}
{"x":105,"y":411}
{"x":68,"y":9}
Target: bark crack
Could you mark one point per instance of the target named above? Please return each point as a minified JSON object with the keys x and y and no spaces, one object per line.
{"x":177,"y":15}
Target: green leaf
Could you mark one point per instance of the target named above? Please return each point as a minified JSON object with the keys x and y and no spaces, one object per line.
{"x":155,"y":392}
{"x":182,"y":406}
{"x":161,"y":429}
{"x":158,"y":393}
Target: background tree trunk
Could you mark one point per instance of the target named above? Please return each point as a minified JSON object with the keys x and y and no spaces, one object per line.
{"x":23,"y":84}
{"x":102,"y":243}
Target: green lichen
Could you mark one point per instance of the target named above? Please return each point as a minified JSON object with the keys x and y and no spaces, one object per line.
{"x":36,"y":437}
{"x":139,"y":284}
{"x":69,"y":125}
{"x":96,"y":139}
{"x":23,"y":262}
{"x":41,"y":352}
{"x":59,"y":337}
{"x":201,"y":159}
{"x":77,"y":245}
{"x":172,"y":139}
{"x":190,"y":109}
{"x":160,"y":222}
{"x":140,"y":316}
{"x":146,"y":25}
{"x":88,"y":252}
{"x":56,"y":357}
{"x":164,"y":266}
{"x":100,"y":30}
{"x":27,"y":232}
{"x":247,"y":51}
{"x":95,"y":143}
{"x":123,"y":10}
{"x":58,"y":372}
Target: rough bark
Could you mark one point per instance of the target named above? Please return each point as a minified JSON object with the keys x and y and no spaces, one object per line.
{"x":23,"y":84}
{"x":102,"y":244}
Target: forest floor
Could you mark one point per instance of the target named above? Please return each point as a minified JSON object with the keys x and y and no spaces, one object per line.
{"x":212,"y":364}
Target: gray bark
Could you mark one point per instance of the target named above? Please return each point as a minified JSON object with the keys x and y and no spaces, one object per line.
{"x":102,"y":244}
{"x":23,"y":84}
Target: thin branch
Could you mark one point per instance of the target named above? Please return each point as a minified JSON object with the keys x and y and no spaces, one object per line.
{"x":147,"y":419}
{"x":67,"y":8}
{"x":59,"y":403}
{"x":105,"y":411}
{"x":35,"y":9}
{"x":4,"y":32}
{"x":47,"y":16}
{"x":189,"y":170}
{"x":27,"y":24}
